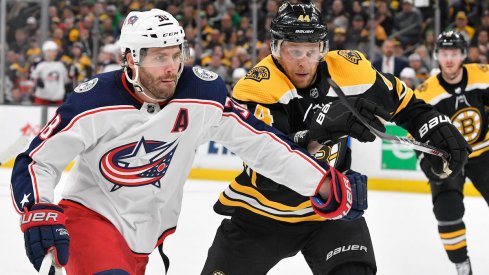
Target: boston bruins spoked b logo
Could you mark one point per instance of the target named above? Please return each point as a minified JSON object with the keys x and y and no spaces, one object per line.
{"x":468,"y":122}
{"x":351,"y":56}
{"x":258,"y":73}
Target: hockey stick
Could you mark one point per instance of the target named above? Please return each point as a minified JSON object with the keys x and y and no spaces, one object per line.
{"x":413,"y":144}
{"x":14,"y":149}
{"x":46,"y":265}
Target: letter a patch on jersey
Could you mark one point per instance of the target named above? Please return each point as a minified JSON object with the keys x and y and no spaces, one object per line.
{"x":181,"y":122}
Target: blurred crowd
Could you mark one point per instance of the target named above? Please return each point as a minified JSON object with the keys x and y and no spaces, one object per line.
{"x":220,"y":36}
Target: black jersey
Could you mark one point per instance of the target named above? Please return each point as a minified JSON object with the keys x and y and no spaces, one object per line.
{"x":466,"y":103}
{"x":270,"y":95}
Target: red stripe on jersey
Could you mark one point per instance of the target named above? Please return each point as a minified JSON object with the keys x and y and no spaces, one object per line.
{"x":200,"y":102}
{"x":253,"y":130}
{"x":165,"y":234}
{"x":76,"y":118}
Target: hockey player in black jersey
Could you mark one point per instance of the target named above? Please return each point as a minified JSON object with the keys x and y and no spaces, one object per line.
{"x":289,"y":91}
{"x":462,"y":93}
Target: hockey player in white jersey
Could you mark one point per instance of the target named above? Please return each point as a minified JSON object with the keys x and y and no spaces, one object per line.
{"x":135,"y":132}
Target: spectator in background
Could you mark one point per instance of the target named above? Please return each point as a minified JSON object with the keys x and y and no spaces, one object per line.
{"x":20,"y":45}
{"x":33,"y":53}
{"x":482,"y":42}
{"x":408,"y":75}
{"x":14,"y":74}
{"x":473,"y":55}
{"x":212,"y":16}
{"x":399,"y":50}
{"x":215,"y":64}
{"x":86,"y":41}
{"x":384,"y":17}
{"x":238,"y":73}
{"x":462,"y":26}
{"x":409,"y":19}
{"x":484,"y":22}
{"x":421,"y":72}
{"x":226,"y":26}
{"x":109,"y":58}
{"x":263,"y":50}
{"x":188,"y":17}
{"x":339,"y":39}
{"x":426,"y":57}
{"x":31,"y":26}
{"x":50,"y":77}
{"x":357,"y":33}
{"x":339,"y":15}
{"x":222,"y":6}
{"x":356,"y":9}
{"x":80,"y":68}
{"x":389,"y":63}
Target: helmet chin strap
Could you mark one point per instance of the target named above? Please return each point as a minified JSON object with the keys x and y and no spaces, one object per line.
{"x":140,"y":88}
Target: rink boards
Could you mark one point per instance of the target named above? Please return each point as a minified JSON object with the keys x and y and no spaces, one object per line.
{"x":389,"y":167}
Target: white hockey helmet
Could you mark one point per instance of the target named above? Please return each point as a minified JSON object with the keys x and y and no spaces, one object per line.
{"x":150,"y":29}
{"x":49,"y":46}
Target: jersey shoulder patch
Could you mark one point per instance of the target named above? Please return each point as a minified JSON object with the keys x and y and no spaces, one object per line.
{"x":352,"y":56}
{"x":258,"y":73}
{"x":204,"y":74}
{"x":86,"y":86}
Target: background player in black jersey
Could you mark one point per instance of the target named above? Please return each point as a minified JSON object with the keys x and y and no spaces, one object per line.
{"x":289,"y":91}
{"x":462,"y":93}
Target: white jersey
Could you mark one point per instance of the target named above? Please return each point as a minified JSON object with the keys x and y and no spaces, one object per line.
{"x":134,"y":157}
{"x":54,"y":76}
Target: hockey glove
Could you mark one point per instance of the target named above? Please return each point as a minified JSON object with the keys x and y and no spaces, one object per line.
{"x":347,"y":199}
{"x":44,"y":228}
{"x":439,"y":132}
{"x":334,"y":120}
{"x":40,"y":83}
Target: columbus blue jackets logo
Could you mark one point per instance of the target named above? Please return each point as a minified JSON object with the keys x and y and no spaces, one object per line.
{"x":138,"y":163}
{"x":86,"y":86}
{"x":131,"y":20}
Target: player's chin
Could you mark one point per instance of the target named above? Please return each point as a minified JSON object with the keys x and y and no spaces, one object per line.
{"x":167,"y":90}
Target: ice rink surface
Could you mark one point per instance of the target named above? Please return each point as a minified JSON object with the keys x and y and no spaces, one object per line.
{"x":402,"y":226}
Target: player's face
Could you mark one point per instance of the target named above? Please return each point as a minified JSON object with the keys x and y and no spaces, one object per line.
{"x":300,"y":62}
{"x":50,"y":55}
{"x":450,"y":61}
{"x":158,"y":71}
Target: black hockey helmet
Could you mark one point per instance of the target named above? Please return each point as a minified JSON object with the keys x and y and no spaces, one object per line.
{"x":451,"y":40}
{"x":298,"y":22}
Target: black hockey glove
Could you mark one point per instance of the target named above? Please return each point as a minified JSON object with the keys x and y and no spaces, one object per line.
{"x":437,"y":130}
{"x":44,"y":229}
{"x":334,"y":120}
{"x":40,"y":83}
{"x":347,"y":199}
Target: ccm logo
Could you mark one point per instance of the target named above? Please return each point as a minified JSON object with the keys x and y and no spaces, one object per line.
{"x":321,"y":116}
{"x":39,"y":217}
{"x":432,"y":123}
